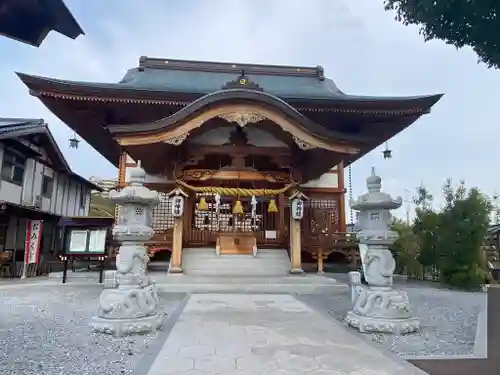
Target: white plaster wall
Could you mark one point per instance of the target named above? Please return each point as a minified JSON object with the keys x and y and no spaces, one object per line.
{"x":327,"y":180}
{"x":65,"y":199}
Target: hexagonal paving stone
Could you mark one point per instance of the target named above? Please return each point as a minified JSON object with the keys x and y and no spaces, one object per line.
{"x":232,"y":351}
{"x":339,"y":362}
{"x":367,"y":371}
{"x":195,"y":372}
{"x":215,"y":364}
{"x":256,"y":363}
{"x":322,"y":371}
{"x":171,"y":365}
{"x":196,"y":351}
{"x":176,"y":364}
{"x":298,"y":363}
{"x":280,"y":372}
{"x":238,"y":372}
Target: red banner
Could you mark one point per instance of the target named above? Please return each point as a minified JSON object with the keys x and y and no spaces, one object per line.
{"x":33,"y":240}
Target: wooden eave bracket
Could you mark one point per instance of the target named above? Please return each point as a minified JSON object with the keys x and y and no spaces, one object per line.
{"x":177,"y":191}
{"x":297,"y":194}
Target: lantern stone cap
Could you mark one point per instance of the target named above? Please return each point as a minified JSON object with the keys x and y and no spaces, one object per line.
{"x":135,"y":192}
{"x":177,"y":191}
{"x":375,"y":199}
{"x":137,"y":175}
{"x":374,"y":182}
{"x":297,"y":194}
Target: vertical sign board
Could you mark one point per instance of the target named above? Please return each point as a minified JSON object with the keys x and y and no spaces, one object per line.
{"x":33,"y":240}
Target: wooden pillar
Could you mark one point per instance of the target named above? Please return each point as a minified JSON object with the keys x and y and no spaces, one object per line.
{"x":176,"y":258}
{"x":122,"y":167}
{"x":321,"y":259}
{"x":295,"y":246}
{"x":179,"y":218}
{"x":281,"y":218}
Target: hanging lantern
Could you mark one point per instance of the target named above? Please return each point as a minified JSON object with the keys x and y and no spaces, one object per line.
{"x":203,"y":206}
{"x":272,"y":207}
{"x":238,"y":207}
{"x":74,"y":142}
{"x":387,"y":152}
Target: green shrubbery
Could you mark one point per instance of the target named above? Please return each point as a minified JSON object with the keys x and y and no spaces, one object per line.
{"x":445,"y":245}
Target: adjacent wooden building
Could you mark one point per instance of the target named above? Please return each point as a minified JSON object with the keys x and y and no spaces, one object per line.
{"x":238,"y":140}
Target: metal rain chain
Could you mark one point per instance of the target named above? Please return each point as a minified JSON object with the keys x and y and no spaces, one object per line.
{"x":351,"y":215}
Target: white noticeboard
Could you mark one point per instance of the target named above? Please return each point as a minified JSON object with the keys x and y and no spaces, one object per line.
{"x":78,"y":241}
{"x":270,"y":234}
{"x":97,"y":241}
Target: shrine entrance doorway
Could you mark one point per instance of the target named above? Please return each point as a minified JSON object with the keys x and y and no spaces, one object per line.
{"x":205,"y":226}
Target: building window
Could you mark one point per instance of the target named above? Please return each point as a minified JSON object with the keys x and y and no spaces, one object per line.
{"x":13,"y":166}
{"x":47,"y":186}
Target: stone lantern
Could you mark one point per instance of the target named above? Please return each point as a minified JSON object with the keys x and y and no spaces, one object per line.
{"x":377,"y":307}
{"x":131,"y":307}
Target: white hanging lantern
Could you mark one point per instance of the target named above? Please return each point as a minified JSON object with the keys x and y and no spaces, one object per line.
{"x":297,"y":208}
{"x":177,"y":206}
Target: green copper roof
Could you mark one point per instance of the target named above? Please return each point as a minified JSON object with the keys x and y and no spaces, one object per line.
{"x":206,"y":82}
{"x":201,"y":78}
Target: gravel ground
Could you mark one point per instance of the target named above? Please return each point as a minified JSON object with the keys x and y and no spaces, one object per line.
{"x":449,"y":319}
{"x":45,"y":331}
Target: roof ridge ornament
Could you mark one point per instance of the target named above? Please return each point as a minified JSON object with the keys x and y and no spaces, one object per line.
{"x":242,"y":82}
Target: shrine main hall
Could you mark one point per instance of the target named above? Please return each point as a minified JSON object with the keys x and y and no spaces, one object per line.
{"x":255,"y":153}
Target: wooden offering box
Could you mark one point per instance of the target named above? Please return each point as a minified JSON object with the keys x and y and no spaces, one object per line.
{"x":236,"y":242}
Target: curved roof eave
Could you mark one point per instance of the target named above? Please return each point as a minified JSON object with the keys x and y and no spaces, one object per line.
{"x":235,"y":95}
{"x":38,"y":83}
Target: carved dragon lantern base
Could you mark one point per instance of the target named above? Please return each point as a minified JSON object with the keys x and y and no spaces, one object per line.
{"x":133,"y":306}
{"x":377,"y":307}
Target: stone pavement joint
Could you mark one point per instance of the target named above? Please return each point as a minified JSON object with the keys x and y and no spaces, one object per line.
{"x":261,"y":334}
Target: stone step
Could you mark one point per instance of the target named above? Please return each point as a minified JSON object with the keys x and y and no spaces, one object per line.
{"x":295,"y":284}
{"x":205,"y":262}
{"x":210,"y":253}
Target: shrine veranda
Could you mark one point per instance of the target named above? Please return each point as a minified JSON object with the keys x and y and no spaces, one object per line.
{"x":252,"y":156}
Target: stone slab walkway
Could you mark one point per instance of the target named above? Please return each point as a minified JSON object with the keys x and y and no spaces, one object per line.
{"x":262,"y":334}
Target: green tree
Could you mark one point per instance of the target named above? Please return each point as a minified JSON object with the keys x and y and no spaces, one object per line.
{"x":425,"y":228}
{"x":405,"y":249}
{"x":462,"y":23}
{"x":463,"y":226}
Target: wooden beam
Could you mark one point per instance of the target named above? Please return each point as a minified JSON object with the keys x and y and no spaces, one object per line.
{"x":178,"y":133}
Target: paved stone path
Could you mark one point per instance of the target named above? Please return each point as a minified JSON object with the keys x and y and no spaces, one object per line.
{"x":255,"y":334}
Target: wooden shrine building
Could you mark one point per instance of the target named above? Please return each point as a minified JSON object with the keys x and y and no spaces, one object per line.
{"x":238,"y":140}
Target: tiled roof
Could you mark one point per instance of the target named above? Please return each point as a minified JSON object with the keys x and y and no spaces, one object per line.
{"x":15,"y":127}
{"x":8,"y":125}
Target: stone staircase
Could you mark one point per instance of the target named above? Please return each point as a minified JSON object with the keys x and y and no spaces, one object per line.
{"x":205,"y":262}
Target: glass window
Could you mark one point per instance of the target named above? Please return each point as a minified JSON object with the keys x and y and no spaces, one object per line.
{"x":13,"y":166}
{"x":47,"y":186}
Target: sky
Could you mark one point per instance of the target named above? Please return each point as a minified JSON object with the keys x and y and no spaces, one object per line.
{"x":361,"y":47}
